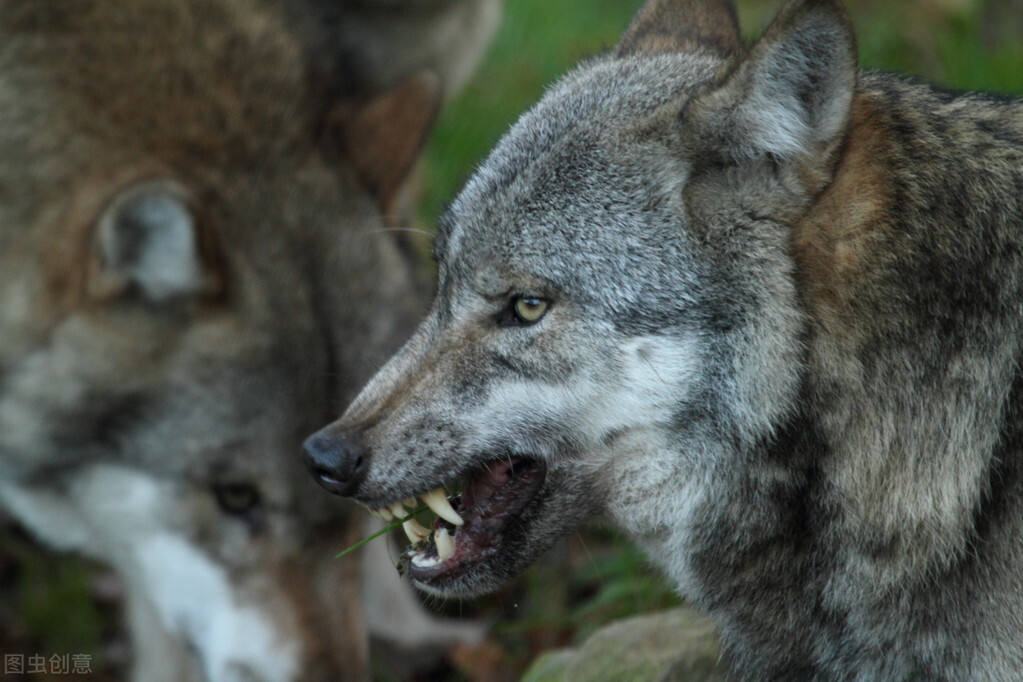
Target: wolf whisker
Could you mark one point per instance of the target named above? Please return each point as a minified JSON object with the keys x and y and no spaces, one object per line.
{"x":415,"y":230}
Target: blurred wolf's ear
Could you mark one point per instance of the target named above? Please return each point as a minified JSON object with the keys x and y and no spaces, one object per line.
{"x":790,"y":97}
{"x":382,"y":137}
{"x":147,"y":242}
{"x":664,"y":26}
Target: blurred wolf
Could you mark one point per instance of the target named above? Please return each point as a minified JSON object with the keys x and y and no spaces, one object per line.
{"x":193,"y":274}
{"x":759,"y":309}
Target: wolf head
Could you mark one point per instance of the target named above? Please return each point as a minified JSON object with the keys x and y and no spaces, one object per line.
{"x":616,"y":318}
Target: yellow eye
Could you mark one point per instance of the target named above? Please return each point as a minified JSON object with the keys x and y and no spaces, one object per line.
{"x":529,"y":309}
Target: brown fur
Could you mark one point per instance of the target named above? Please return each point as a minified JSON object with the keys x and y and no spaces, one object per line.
{"x":223,"y":111}
{"x":832,"y":240}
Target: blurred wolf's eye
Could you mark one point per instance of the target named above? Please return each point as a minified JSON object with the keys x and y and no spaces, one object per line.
{"x":236,"y":498}
{"x":523,"y":311}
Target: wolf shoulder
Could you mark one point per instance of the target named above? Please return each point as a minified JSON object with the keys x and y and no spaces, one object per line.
{"x":926,"y":194}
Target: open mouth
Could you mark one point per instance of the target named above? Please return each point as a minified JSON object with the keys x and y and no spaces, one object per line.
{"x":472,"y":525}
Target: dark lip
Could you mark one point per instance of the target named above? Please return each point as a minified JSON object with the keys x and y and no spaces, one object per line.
{"x":484,"y":536}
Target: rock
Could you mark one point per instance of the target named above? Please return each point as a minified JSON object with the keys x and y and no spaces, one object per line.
{"x":673,"y":646}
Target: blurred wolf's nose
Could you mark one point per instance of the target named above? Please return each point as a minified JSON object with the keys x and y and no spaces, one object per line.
{"x":334,"y":462}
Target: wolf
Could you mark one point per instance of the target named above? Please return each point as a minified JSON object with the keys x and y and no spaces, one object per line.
{"x":759,"y":309}
{"x":194,"y":273}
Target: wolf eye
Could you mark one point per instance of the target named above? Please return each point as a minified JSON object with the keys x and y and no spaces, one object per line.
{"x":236,"y":498}
{"x":530,"y":310}
{"x":523,"y":311}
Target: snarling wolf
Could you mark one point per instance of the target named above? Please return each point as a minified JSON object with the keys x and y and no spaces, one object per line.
{"x":193,"y":275}
{"x":759,"y":309}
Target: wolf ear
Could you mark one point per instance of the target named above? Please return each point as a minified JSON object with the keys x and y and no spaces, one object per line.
{"x":790,"y":97}
{"x":382,"y":137}
{"x":146,"y":240}
{"x":709,"y":26}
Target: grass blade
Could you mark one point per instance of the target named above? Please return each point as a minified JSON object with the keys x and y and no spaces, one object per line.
{"x":386,"y":529}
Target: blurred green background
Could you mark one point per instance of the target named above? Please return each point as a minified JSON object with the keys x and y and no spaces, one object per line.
{"x":594,"y":577}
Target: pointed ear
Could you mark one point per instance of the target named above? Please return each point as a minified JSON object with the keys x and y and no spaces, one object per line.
{"x":708,"y":26}
{"x":383,"y":137}
{"x":146,"y":241}
{"x":790,"y":97}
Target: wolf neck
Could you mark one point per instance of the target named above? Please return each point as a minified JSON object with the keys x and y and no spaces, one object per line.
{"x":873,"y":535}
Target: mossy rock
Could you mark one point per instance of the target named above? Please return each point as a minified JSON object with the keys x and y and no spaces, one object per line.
{"x":674,"y":646}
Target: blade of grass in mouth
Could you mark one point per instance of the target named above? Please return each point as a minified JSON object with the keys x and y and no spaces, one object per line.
{"x":386,"y":529}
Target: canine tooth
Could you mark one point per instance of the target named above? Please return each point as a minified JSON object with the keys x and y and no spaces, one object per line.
{"x":437,"y":501}
{"x":415,"y":531}
{"x":445,"y":543}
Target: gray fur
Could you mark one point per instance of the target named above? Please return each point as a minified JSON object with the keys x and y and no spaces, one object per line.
{"x":782,"y":347}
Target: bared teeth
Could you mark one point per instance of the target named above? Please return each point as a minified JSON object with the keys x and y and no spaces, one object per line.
{"x":445,"y":543}
{"x":382,"y":513}
{"x":438,"y":503}
{"x":415,"y":531}
{"x":436,"y":500}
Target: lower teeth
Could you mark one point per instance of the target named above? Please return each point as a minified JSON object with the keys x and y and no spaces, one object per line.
{"x":445,"y":543}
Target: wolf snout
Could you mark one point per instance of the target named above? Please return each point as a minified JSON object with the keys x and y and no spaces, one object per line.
{"x":336,"y":461}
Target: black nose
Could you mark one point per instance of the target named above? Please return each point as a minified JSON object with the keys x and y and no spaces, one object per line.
{"x":335,"y":462}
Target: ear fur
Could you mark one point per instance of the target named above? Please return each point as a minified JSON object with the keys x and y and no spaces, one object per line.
{"x":147,"y":240}
{"x":791,"y":96}
{"x":664,"y":26}
{"x":382,"y":137}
